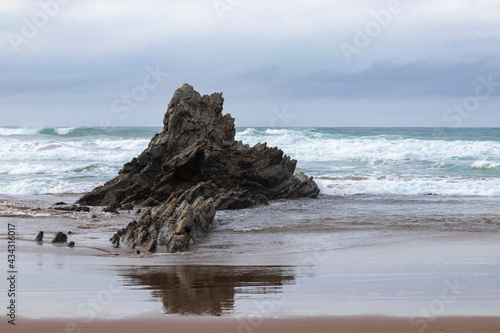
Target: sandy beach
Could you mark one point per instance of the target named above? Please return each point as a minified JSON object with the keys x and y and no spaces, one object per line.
{"x":267,"y":325}
{"x":406,"y":283}
{"x":410,"y":276}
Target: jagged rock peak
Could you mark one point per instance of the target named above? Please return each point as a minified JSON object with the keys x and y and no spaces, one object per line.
{"x":193,"y":168}
{"x":195,"y":116}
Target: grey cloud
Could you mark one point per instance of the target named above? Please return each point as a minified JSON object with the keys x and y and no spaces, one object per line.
{"x":263,"y":53}
{"x":383,"y":79}
{"x":394,"y":79}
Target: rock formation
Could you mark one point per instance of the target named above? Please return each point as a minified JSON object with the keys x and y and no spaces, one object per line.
{"x":193,"y":168}
{"x":39,"y":237}
{"x":72,"y":208}
{"x":60,"y":237}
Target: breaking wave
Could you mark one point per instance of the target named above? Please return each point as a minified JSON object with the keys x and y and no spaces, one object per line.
{"x":344,"y":161}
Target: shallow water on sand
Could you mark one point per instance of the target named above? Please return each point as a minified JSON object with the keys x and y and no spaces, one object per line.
{"x":329,"y":256}
{"x":419,"y":278}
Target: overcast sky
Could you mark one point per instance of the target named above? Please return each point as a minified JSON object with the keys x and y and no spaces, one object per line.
{"x":278,"y":63}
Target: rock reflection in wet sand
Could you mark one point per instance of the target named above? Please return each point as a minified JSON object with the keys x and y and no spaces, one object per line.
{"x":207,"y":290}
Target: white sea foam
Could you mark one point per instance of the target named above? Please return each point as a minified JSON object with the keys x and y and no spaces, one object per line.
{"x":485,"y":165}
{"x":45,"y":186}
{"x":352,"y":164}
{"x":51,"y":164}
{"x":388,"y":164}
{"x":410,"y":186}
{"x":64,"y":130}
{"x":307,"y":146}
{"x":373,"y":151}
{"x":277,"y":131}
{"x":247,"y":132}
{"x":55,"y":168}
{"x":127,"y":145}
{"x":6,"y":131}
{"x":99,"y":150}
{"x":25,"y":168}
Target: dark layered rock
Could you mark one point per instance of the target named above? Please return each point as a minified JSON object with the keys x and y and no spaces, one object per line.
{"x":115,"y":240}
{"x":112,"y":208}
{"x":127,"y":206}
{"x":193,"y":168}
{"x":39,"y":237}
{"x":73,"y":208}
{"x":60,"y":237}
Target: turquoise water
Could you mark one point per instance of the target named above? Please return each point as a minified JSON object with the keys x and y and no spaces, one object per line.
{"x":351,"y":161}
{"x":345,"y":161}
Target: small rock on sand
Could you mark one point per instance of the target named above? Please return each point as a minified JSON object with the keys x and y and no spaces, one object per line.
{"x":39,"y":237}
{"x":61,"y":237}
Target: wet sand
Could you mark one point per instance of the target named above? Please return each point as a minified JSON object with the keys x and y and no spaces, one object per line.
{"x":404,"y":281}
{"x":267,"y":325}
{"x":417,"y":279}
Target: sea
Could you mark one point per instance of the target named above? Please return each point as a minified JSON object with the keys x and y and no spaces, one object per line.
{"x":347,"y":162}
{"x":356,"y":249}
